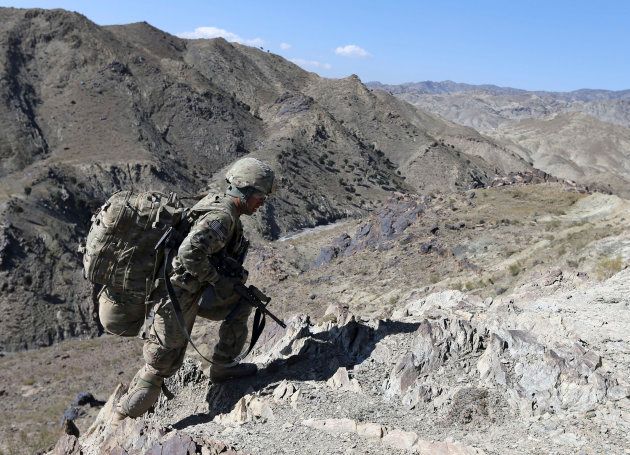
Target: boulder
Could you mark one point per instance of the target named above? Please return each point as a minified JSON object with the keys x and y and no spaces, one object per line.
{"x":399,"y":439}
{"x":341,"y":380}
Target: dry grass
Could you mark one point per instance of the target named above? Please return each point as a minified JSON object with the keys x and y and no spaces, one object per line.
{"x":607,"y":267}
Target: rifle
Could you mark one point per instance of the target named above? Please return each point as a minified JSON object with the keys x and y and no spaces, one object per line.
{"x":230,"y":267}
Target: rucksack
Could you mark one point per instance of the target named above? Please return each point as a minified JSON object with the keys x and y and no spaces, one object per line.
{"x":120,"y":251}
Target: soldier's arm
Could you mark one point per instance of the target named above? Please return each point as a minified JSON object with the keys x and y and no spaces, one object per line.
{"x":208,"y":236}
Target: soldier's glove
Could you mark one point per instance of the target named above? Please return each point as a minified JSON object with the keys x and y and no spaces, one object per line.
{"x":185,"y":281}
{"x":244,"y":276}
{"x":233,"y":280}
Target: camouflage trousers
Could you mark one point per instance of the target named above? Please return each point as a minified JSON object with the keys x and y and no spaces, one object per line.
{"x":165,"y":346}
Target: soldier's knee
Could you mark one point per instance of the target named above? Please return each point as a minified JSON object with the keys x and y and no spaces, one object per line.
{"x":143,"y":392}
{"x":119,"y":318}
{"x":241,"y":313}
{"x":166,"y":361}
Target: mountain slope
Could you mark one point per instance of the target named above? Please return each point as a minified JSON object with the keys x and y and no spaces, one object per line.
{"x":576,"y":146}
{"x":88,"y":110}
{"x":581,"y":135}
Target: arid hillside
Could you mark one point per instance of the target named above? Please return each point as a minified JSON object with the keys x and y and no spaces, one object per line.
{"x":510,"y":261}
{"x":580,"y":135}
{"x":87,"y":110}
{"x":442,"y":295}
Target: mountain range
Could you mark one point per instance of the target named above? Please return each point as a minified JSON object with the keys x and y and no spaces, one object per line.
{"x":580,"y":135}
{"x":446,"y":289}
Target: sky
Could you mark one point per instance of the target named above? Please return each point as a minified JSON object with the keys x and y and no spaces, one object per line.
{"x":534,"y":45}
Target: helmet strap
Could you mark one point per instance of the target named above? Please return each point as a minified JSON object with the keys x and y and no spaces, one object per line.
{"x":240,"y":193}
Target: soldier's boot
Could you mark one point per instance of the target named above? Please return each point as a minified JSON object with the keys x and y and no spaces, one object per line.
{"x":115,"y":419}
{"x":143,"y":392}
{"x":222,"y":373}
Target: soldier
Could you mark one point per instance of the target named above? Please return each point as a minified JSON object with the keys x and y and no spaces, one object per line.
{"x":219,"y":229}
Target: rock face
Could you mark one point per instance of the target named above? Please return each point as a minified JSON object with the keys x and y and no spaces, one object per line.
{"x":449,"y":373}
{"x":377,"y":233}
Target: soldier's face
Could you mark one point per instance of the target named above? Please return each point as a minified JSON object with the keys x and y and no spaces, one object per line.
{"x":255,"y":201}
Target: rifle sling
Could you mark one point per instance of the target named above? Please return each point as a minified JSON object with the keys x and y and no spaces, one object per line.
{"x":177,"y":309}
{"x":257,"y":329}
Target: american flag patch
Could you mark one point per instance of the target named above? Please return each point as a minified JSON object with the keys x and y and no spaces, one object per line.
{"x":219,"y":229}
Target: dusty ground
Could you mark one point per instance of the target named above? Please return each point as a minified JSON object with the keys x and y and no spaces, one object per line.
{"x":36,"y":387}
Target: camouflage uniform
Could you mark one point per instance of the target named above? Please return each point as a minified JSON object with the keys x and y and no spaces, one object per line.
{"x":218,"y":228}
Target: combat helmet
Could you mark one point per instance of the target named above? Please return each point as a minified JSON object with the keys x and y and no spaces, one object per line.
{"x":249,"y":175}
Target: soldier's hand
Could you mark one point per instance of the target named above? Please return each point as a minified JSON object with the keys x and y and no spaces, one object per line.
{"x":244,"y":276}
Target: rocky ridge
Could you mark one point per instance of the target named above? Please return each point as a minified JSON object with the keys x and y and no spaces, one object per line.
{"x":449,"y":373}
{"x":473,"y":250}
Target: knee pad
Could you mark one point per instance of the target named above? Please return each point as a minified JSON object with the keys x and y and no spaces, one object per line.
{"x":143,"y":392}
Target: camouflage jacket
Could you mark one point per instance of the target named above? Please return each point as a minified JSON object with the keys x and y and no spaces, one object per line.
{"x":218,"y":228}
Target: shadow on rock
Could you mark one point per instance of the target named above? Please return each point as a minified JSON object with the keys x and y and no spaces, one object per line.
{"x":302,"y":352}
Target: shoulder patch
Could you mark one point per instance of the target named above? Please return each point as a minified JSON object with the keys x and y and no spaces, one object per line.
{"x":219,"y":229}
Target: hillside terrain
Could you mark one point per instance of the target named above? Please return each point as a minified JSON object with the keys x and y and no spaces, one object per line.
{"x":580,"y":135}
{"x":88,"y":110}
{"x":523,"y":251}
{"x":442,"y":294}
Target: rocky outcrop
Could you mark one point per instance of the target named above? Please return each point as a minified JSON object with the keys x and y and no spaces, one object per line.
{"x":380,"y":231}
{"x":534,"y":377}
{"x":450,"y":373}
{"x":537,"y":176}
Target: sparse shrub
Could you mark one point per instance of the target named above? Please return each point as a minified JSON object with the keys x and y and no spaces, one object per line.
{"x":552,"y":225}
{"x":27,"y":190}
{"x":607,"y":267}
{"x":514,"y":269}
